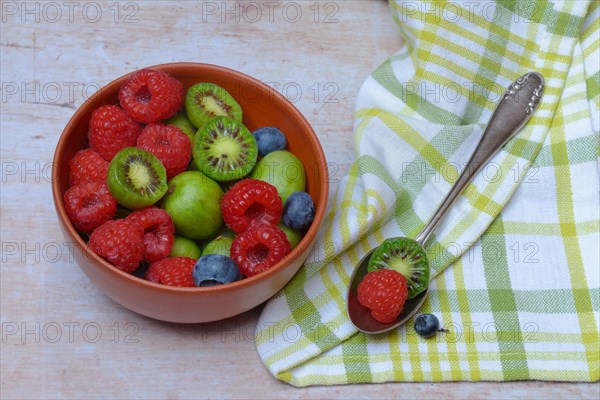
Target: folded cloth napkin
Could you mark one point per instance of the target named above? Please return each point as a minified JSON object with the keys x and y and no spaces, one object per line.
{"x":515,"y":265}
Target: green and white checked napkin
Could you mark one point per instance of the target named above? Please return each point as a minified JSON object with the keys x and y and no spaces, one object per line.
{"x":516,"y":264}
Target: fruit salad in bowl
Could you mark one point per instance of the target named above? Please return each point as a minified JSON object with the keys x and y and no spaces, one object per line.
{"x":190,"y":201}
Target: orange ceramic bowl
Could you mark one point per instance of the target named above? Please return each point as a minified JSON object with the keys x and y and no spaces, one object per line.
{"x":261,"y":106}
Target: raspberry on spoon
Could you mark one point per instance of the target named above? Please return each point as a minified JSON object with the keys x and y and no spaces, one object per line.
{"x":383,"y":291}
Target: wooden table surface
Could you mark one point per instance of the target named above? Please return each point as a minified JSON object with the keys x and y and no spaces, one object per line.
{"x":61,"y":337}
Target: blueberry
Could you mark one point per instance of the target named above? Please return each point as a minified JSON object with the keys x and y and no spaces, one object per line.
{"x":299,"y":211}
{"x":215,"y":269}
{"x":427,"y":325}
{"x":269,"y":139}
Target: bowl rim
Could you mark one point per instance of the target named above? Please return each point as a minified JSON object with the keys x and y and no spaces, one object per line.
{"x":303,"y":246}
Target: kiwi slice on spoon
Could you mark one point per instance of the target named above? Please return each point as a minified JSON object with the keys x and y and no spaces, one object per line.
{"x":224,"y":149}
{"x":204,"y":101}
{"x":406,"y":256}
{"x":136,"y":178}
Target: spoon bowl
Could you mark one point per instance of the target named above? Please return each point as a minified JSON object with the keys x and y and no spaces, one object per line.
{"x":518,"y":104}
{"x":361,"y":315}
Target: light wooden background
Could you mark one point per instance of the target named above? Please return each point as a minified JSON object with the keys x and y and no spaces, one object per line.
{"x":61,"y":337}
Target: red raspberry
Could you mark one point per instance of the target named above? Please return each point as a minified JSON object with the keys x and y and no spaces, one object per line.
{"x":89,"y":205}
{"x":158,"y":232}
{"x":121,"y":242}
{"x":169,"y":144}
{"x":87,"y":165}
{"x":151,"y":96}
{"x":383,"y":291}
{"x":175,"y":271}
{"x":259,"y":248}
{"x":112,"y":129}
{"x":249,"y":201}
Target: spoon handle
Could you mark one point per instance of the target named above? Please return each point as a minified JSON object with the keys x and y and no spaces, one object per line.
{"x":514,"y":109}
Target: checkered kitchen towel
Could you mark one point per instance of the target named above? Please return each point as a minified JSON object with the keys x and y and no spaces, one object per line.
{"x":515,"y":266}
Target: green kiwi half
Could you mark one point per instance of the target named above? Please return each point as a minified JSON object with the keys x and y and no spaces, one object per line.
{"x":224,"y":149}
{"x":204,"y":101}
{"x":406,"y":256}
{"x":136,"y":178}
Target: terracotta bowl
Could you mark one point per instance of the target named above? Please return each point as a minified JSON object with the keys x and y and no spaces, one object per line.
{"x":262,"y":106}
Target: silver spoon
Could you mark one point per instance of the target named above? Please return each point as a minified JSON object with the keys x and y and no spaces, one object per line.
{"x":515,"y":108}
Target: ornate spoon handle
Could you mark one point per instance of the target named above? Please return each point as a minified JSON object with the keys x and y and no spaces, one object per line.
{"x":513,"y":111}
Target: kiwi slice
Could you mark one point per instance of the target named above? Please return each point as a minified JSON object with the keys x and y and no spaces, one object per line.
{"x":406,"y":256}
{"x":224,"y":149}
{"x":180,"y":121}
{"x":136,"y":178}
{"x":204,"y":101}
